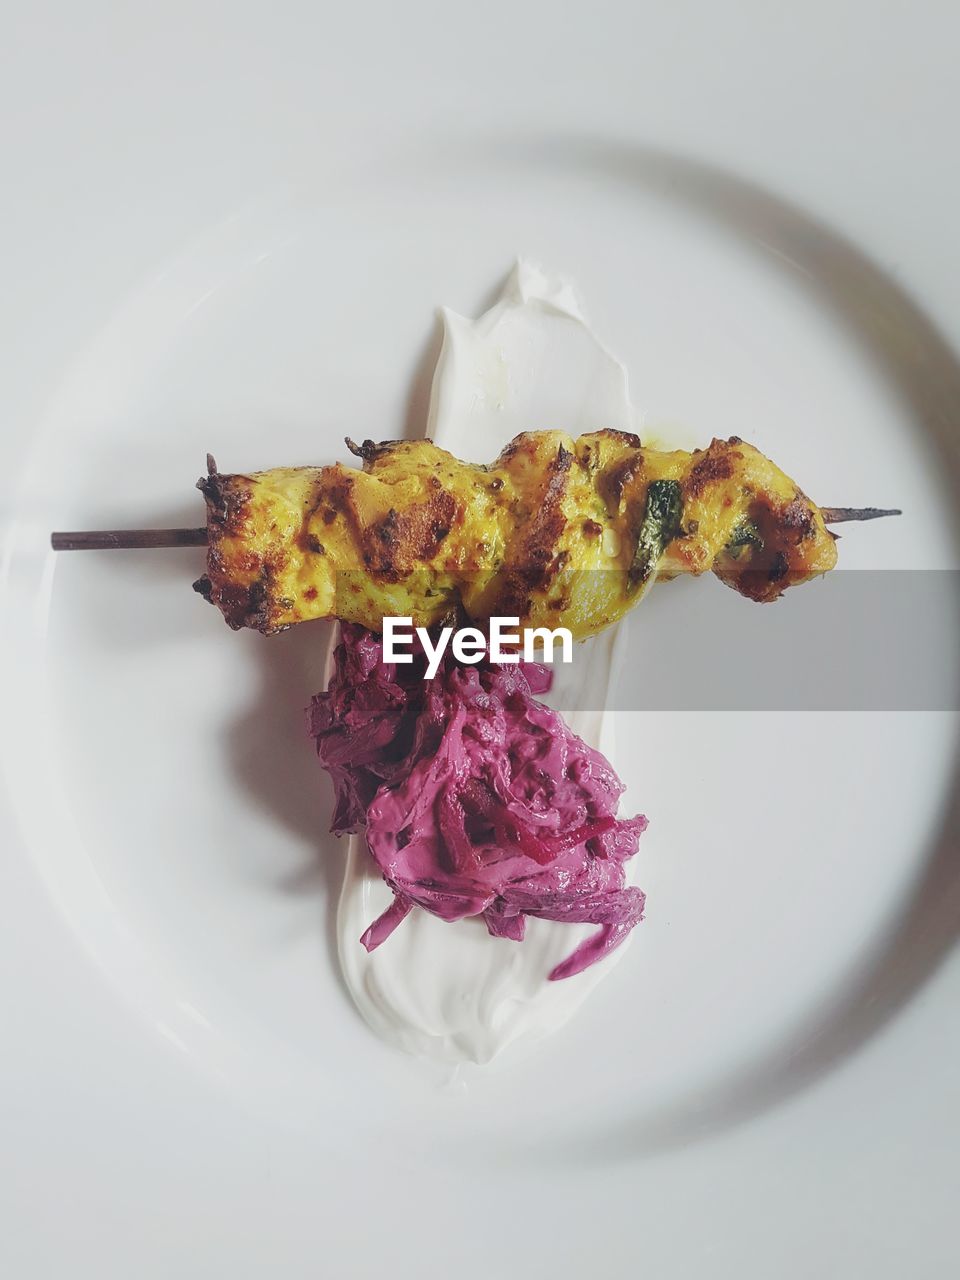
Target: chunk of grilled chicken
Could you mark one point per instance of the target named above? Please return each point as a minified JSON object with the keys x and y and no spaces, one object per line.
{"x":556,"y":532}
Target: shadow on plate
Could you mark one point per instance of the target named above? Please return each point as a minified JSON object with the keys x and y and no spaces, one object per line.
{"x":122,"y":589}
{"x":275,"y":764}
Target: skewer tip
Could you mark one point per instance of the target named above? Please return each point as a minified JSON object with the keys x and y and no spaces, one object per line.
{"x":841,"y":515}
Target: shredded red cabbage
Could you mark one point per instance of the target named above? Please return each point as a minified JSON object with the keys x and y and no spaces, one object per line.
{"x":476,"y":798}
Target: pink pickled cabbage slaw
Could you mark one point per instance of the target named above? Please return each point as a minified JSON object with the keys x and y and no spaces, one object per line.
{"x":476,"y":799}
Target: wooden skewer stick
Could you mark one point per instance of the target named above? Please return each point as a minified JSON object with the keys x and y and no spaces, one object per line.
{"x":124,"y":539}
{"x":140,"y":539}
{"x":840,"y":515}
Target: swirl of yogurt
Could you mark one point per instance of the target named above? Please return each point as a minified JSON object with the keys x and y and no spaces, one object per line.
{"x":452,"y":993}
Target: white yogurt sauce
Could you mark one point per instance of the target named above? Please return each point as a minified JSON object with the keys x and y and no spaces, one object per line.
{"x":450,"y":992}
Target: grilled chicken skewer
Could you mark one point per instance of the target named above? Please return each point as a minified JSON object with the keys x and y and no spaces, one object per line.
{"x":556,"y":532}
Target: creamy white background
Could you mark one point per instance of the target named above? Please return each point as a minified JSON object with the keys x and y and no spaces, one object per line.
{"x":124,"y":137}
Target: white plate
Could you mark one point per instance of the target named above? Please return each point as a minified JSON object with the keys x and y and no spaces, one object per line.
{"x":185,"y":1041}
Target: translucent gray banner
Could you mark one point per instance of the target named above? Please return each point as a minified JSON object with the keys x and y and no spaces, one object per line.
{"x":877,"y":640}
{"x":851,"y":641}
